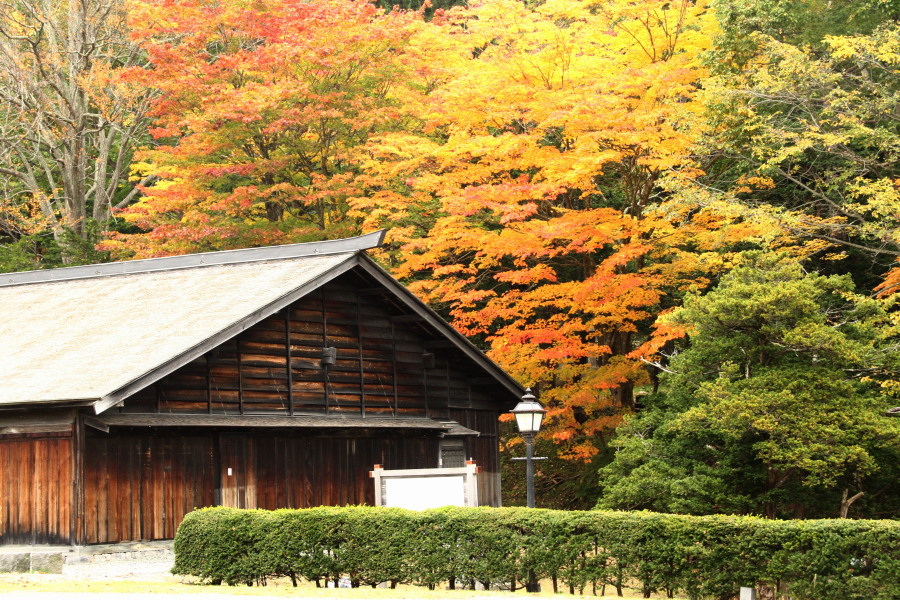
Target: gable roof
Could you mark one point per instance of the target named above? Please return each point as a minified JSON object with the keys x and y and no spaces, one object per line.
{"x":95,"y":335}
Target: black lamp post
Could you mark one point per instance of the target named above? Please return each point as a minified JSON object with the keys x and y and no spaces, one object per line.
{"x":529,"y":415}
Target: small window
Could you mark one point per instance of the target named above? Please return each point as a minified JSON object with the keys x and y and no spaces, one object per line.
{"x":453,"y":454}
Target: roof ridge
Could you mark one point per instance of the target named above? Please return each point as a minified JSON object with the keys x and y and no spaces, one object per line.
{"x":203,"y":259}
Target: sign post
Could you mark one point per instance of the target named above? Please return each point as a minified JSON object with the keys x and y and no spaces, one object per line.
{"x":421,"y":489}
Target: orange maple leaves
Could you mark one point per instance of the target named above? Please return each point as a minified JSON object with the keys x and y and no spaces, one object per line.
{"x":260,"y":107}
{"x":552,"y":129}
{"x":532,"y":163}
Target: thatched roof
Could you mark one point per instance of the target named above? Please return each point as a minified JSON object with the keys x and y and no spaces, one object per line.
{"x":85,"y":339}
{"x":96,"y":334}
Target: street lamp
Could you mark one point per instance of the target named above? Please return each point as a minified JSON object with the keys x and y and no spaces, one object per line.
{"x":529,"y":414}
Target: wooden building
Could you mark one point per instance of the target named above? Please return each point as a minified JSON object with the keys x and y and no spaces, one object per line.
{"x":131,"y":393}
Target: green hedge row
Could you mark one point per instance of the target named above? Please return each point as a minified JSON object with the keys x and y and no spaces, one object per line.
{"x":702,"y":557}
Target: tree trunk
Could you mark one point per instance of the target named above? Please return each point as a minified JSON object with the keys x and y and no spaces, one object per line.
{"x":68,"y":134}
{"x":846,"y":502}
{"x":619,"y":344}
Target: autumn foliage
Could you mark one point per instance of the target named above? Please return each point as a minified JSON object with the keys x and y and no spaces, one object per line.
{"x":552,"y":148}
{"x":555,"y":175}
{"x":535,"y":166}
{"x":260,"y":105}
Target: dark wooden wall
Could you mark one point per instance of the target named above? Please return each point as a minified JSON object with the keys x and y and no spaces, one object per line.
{"x":388,"y":364}
{"x":300,"y":472}
{"x":484,"y":450}
{"x":36,"y":488}
{"x":139,"y":486}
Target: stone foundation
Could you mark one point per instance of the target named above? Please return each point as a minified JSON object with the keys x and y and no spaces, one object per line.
{"x":74,"y":559}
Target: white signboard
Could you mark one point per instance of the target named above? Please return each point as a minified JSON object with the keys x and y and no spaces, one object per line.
{"x":421,"y":489}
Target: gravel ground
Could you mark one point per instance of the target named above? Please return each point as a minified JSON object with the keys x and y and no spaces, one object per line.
{"x":110,"y":571}
{"x":30,"y":595}
{"x":147,"y":565}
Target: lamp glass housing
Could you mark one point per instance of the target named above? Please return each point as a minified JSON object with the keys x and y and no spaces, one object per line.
{"x":529,"y":415}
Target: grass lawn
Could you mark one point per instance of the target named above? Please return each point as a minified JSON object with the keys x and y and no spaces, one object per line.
{"x":15,"y":582}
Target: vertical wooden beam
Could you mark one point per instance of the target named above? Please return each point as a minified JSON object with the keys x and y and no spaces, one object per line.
{"x":77,"y":524}
{"x":324,"y":345}
{"x":240,"y":374}
{"x":290,"y":372}
{"x":448,"y":381}
{"x":5,"y":494}
{"x":425,"y":367}
{"x":425,"y":385}
{"x":425,"y":396}
{"x":142,"y":446}
{"x":362,"y":379}
{"x":208,"y":385}
{"x":158,"y":456}
{"x":132,"y":450}
{"x":394,"y":366}
{"x":216,"y":441}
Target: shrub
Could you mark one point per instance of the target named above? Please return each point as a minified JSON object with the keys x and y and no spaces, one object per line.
{"x":704,"y":557}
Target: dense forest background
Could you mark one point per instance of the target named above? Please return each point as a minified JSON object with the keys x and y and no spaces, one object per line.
{"x":677,"y":221}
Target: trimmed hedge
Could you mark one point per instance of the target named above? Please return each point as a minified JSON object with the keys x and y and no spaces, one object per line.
{"x":703,"y":557}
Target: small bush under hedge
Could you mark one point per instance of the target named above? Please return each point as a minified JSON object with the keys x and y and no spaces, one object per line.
{"x":703,"y":557}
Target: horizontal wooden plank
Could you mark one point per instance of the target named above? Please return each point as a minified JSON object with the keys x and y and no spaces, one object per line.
{"x":182,"y":395}
{"x":153,"y":420}
{"x":262,"y":360}
{"x":306,"y":317}
{"x":276,"y":348}
{"x":177,"y":406}
{"x":44,"y":428}
{"x":378,"y":356}
{"x":33,"y":418}
{"x":255,"y":336}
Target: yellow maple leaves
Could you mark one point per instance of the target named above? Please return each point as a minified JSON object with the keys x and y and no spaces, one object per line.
{"x":547,"y":130}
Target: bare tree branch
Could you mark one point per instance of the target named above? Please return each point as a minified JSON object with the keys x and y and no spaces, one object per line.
{"x":66,"y":131}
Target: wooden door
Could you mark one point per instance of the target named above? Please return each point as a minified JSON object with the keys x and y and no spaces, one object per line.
{"x":36,"y":489}
{"x":140,"y":486}
{"x":237,"y":471}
